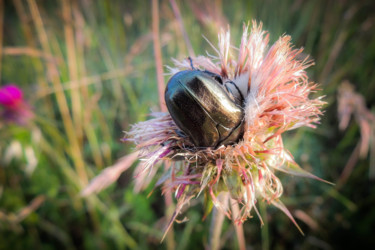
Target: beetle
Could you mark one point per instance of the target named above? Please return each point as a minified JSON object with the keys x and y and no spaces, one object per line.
{"x":206,"y":109}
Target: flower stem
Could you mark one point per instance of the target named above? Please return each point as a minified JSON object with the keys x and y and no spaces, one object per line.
{"x":264,"y":231}
{"x":238,"y":226}
{"x":217,"y":223}
{"x":169,"y":213}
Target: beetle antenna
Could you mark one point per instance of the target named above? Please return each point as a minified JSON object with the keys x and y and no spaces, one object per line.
{"x":191,"y":63}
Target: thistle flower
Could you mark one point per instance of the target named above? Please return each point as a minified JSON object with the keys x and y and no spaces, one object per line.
{"x":276,"y":99}
{"x":14,"y":107}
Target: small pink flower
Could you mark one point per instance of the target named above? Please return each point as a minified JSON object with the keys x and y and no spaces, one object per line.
{"x":14,"y":107}
{"x":11,"y":96}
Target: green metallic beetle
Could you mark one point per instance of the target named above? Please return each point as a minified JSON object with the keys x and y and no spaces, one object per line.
{"x":205,"y":108}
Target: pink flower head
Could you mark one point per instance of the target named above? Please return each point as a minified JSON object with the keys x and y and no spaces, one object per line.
{"x":10,"y":96}
{"x":15,"y":109}
{"x":276,"y":90}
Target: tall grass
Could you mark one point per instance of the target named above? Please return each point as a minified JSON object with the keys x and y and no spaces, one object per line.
{"x":88,"y":71}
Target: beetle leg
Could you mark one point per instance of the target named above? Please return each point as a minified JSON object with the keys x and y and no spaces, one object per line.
{"x":232,"y":136}
{"x":180,"y":133}
{"x":229,"y":91}
{"x":191,"y":63}
{"x":238,"y":90}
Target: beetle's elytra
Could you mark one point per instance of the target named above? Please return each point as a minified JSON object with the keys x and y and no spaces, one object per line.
{"x":204,"y":109}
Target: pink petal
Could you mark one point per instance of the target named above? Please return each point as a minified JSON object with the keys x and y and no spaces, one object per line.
{"x":10,"y":96}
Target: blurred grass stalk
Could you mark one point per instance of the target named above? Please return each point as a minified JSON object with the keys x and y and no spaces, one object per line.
{"x":76,"y":103}
{"x":1,"y":33}
{"x":53,"y":74}
{"x":169,"y":206}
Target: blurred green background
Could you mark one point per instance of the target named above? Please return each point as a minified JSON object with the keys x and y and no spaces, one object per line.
{"x":87,"y":70}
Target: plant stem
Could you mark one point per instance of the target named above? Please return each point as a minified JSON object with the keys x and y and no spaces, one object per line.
{"x":217,"y":222}
{"x":177,"y":14}
{"x":157,"y":53}
{"x":264,"y":231}
{"x":238,"y":226}
{"x":160,"y":80}
{"x":1,"y":32}
{"x":169,"y":213}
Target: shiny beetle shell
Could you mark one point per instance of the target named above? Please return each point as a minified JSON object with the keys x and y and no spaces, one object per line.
{"x":204,"y":109}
